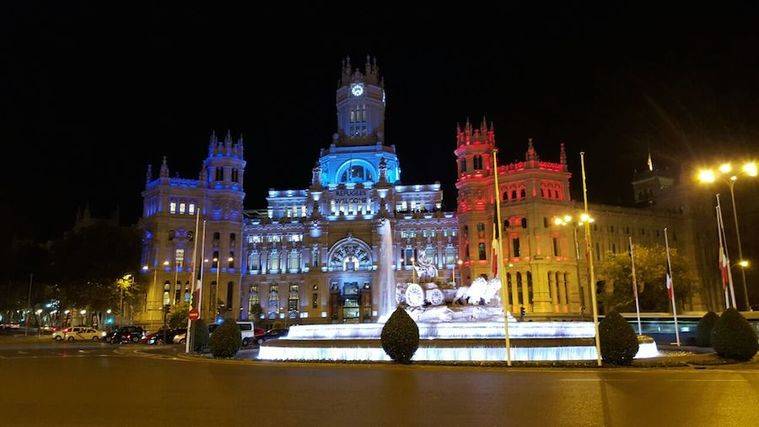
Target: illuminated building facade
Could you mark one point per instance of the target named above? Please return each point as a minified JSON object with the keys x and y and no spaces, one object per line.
{"x":312,"y":254}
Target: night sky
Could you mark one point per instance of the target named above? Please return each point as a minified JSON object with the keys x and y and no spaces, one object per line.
{"x":89,"y":94}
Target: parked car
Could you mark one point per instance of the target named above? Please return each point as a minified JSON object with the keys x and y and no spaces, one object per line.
{"x":125,"y":334}
{"x":161,"y":336}
{"x":83,"y":333}
{"x":272,"y":334}
{"x":60,"y":334}
{"x":180,"y":336}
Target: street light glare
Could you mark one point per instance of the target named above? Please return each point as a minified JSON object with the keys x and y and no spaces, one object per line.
{"x":706,"y":176}
{"x":743,"y":263}
{"x":567,"y":218}
{"x":725,"y":168}
{"x":750,"y":169}
{"x":558,"y":221}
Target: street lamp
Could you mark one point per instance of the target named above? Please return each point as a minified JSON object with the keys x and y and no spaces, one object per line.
{"x":708,"y":176}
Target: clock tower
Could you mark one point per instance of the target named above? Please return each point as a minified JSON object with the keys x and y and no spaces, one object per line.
{"x":360,"y":105}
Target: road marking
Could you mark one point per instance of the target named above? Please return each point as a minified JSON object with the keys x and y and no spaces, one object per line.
{"x":704,"y":380}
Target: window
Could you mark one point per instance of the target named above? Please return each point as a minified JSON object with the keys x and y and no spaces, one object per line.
{"x":545,"y":222}
{"x":520,"y":296}
{"x":522,"y":193}
{"x":356,"y":173}
{"x":253,"y":299}
{"x":462,"y":165}
{"x":509,"y":288}
{"x":524,"y":222}
{"x":481,"y":252}
{"x":598,"y":252}
{"x":515,"y":245}
{"x":555,"y":246}
{"x":566,"y":288}
{"x":315,"y":300}
{"x":506,"y":224}
{"x":465,"y":231}
{"x":232,"y":238}
{"x":179,"y":258}
{"x":191,"y":209}
{"x":293,"y":300}
{"x":182,"y":207}
{"x":254,"y":261}
{"x":220,"y":174}
{"x":235,"y":175}
{"x":480,"y":230}
{"x":231,"y":259}
{"x":273,"y":300}
{"x":216,"y":236}
{"x":477,"y":162}
{"x":230,"y":293}
{"x":529,"y":287}
{"x":505,"y":196}
{"x":513,"y":194}
{"x":173,"y":207}
{"x":215,"y":260}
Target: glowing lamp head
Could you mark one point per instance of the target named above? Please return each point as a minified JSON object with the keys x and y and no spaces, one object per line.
{"x":558,"y":221}
{"x":706,"y":176}
{"x":459,"y":262}
{"x":230,"y":259}
{"x":751,"y":169}
{"x":725,"y":168}
{"x":744,"y":263}
{"x":166,"y":262}
{"x":83,"y":312}
{"x":144,"y":268}
{"x":567,"y":218}
{"x":39,"y":311}
{"x":108,"y":311}
{"x":67,"y":311}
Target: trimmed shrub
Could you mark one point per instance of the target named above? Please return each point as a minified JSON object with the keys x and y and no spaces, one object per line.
{"x":619,"y":344}
{"x":226,"y":339}
{"x":199,"y":335}
{"x":704,"y":330}
{"x":400,"y":336}
{"x":733,"y":337}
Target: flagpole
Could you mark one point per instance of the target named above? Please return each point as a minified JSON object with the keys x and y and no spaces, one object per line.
{"x":499,"y":254}
{"x":589,"y":254}
{"x":192,"y":276}
{"x":635,"y":283}
{"x":727,"y":253}
{"x":671,"y":287}
{"x":721,"y":257}
{"x":202,"y":267}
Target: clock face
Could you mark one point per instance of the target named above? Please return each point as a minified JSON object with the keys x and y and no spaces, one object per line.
{"x":357,"y":89}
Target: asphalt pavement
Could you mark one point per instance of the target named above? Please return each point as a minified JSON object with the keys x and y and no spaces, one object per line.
{"x":95,"y":384}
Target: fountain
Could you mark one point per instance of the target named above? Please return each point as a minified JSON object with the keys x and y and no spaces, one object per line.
{"x":455,"y":324}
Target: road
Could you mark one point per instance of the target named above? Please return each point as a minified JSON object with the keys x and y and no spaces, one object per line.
{"x":97,"y":384}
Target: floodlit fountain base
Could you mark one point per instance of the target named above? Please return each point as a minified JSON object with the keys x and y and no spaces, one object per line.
{"x":466,"y":341}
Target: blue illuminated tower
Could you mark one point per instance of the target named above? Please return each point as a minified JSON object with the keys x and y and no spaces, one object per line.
{"x":358,"y":146}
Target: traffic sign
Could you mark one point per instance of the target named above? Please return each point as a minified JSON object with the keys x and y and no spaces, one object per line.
{"x":194,"y":314}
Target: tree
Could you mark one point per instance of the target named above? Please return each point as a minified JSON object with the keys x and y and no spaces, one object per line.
{"x":400,"y":336}
{"x":226,"y":340}
{"x":88,"y":263}
{"x":733,"y":337}
{"x":650,"y":272}
{"x":619,"y":344}
{"x":705,"y":328}
{"x":178,"y":315}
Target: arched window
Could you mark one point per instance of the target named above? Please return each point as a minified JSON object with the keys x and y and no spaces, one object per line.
{"x":480,"y":230}
{"x":273,"y":301}
{"x":506,"y":224}
{"x":462,"y":165}
{"x":253,"y":301}
{"x":529,"y":287}
{"x":293,"y":262}
{"x":524,"y":222}
{"x":505,"y":196}
{"x":522,"y":193}
{"x":550,"y":286}
{"x":513,"y":194}
{"x":230,"y":294}
{"x":481,"y":253}
{"x":509,"y":288}
{"x":520,"y":296}
{"x":220,"y":174}
{"x":356,"y":173}
{"x":566,"y":288}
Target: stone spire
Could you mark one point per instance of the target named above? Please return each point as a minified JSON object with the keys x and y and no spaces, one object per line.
{"x":531,"y":154}
{"x":164,"y":168}
{"x":149,"y":174}
{"x":383,"y":171}
{"x":316,"y":172}
{"x":212,"y":143}
{"x":562,"y":154}
{"x":650,"y":162}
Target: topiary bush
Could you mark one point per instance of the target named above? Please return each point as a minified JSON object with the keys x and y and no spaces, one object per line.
{"x":733,"y":337}
{"x":704,"y":330}
{"x":619,"y":344}
{"x":199,"y":335}
{"x":400,"y":336}
{"x":226,"y":339}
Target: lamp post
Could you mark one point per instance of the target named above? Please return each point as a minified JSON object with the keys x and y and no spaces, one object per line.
{"x":708,"y":176}
{"x":453,"y":272}
{"x":124,"y":283}
{"x":589,"y":255}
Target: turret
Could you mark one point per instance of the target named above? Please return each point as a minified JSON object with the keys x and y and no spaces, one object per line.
{"x":360,"y":105}
{"x":474,"y":148}
{"x":164,"y":173}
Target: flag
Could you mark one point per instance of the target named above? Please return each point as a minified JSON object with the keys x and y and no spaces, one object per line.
{"x":724,"y":264}
{"x":494,"y":246}
{"x":670,"y":292}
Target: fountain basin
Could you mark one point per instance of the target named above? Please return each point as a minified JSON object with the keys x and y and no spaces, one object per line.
{"x":470,"y":341}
